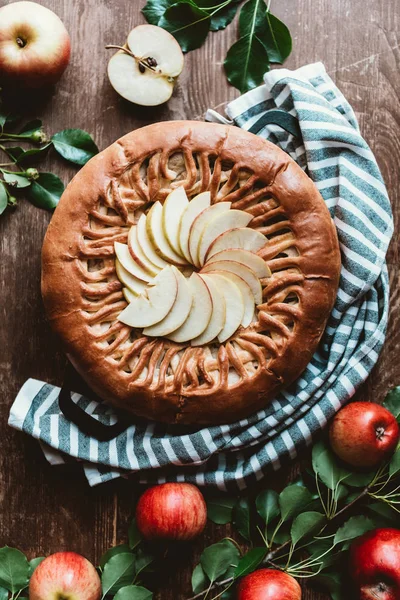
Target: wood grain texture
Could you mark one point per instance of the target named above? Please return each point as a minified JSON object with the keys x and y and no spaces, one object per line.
{"x":44,"y":509}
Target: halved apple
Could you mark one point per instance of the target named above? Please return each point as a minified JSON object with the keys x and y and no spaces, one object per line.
{"x":244,"y":272}
{"x":195,"y":207}
{"x":178,"y":312}
{"x":200,"y":314}
{"x":243,"y":237}
{"x":173,"y":209}
{"x":135,"y":285}
{"x":145,"y":70}
{"x":138,"y":255}
{"x":126,"y":260}
{"x":198,"y":226}
{"x":219,"y":224}
{"x":234,"y":305}
{"x":247,"y":295}
{"x":146,"y":245}
{"x":149,"y":309}
{"x":217,"y":320}
{"x":251,"y":260}
{"x":155,"y":231}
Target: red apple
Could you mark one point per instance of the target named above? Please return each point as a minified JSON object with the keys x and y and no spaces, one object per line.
{"x":174,"y":511}
{"x":66,"y":576}
{"x":375,"y":565}
{"x":269,"y":584}
{"x":34,"y":45}
{"x":363,"y":434}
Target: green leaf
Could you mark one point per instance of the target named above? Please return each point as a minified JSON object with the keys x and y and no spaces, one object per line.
{"x":353,"y":528}
{"x":154,"y":10}
{"x":385,"y":512}
{"x":250,"y":561}
{"x":392,"y":401}
{"x":293,"y":500}
{"x":142,"y":561}
{"x":306,"y":524}
{"x":220,"y":508}
{"x":358,"y":479}
{"x":34,"y":563}
{"x":3,"y":119}
{"x":46,"y":191}
{"x":218,"y":558}
{"x":220,"y":17}
{"x":75,"y":145}
{"x":242,"y":518}
{"x":246,"y":62}
{"x":16,"y":180}
{"x":15,"y":152}
{"x":3,"y":198}
{"x":331,"y":582}
{"x":134,"y":536}
{"x":200,"y":582}
{"x":326,"y":466}
{"x":118,"y":572}
{"x":32,"y":152}
{"x":133,"y":592}
{"x":187,"y":23}
{"x":123,"y":548}
{"x":14,"y":569}
{"x":3,"y":594}
{"x":394,"y":465}
{"x":276,"y":39}
{"x":31,"y":127}
{"x":267,"y":504}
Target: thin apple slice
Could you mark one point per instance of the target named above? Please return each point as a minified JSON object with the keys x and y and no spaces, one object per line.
{"x":198,"y":226}
{"x":200,"y":314}
{"x":126,"y":260}
{"x":179,"y":311}
{"x":196,"y":206}
{"x":129,"y":296}
{"x":149,"y":309}
{"x":173,"y":209}
{"x":138,"y":255}
{"x":221,"y":223}
{"x":155,"y":231}
{"x":234,"y":305}
{"x":243,"y":237}
{"x":244,"y":272}
{"x":246,"y":257}
{"x":135,"y":285}
{"x":146,"y":245}
{"x":247,"y":294}
{"x":217,"y":320}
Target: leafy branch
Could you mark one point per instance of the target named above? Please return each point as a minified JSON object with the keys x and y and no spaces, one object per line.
{"x":263,"y":38}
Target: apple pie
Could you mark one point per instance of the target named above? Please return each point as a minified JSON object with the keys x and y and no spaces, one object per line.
{"x":189,"y":270}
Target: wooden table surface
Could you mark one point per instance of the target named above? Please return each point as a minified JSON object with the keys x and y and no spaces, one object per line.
{"x":44,"y":509}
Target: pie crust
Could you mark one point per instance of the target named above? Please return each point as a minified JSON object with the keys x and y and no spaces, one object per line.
{"x":156,"y":378}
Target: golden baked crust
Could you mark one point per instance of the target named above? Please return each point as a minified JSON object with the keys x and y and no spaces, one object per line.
{"x":156,"y":378}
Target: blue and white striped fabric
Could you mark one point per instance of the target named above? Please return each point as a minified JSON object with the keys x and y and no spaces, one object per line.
{"x":233,"y":456}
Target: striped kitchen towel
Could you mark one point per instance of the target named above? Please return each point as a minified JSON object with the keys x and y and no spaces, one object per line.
{"x":320,"y":132}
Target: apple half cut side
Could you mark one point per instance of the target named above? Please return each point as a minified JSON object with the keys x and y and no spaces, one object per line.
{"x":178,"y":312}
{"x":200,"y":314}
{"x":224,"y":222}
{"x":244,"y":272}
{"x":199,"y":224}
{"x":155,"y":231}
{"x":247,"y":295}
{"x":234,"y":305}
{"x":146,"y":245}
{"x":173,"y":208}
{"x":195,"y":207}
{"x":135,"y":285}
{"x":138,"y":255}
{"x":148,"y":310}
{"x":245,"y":257}
{"x":126,"y":260}
{"x":148,"y":77}
{"x":217,"y":320}
{"x":242,"y":237}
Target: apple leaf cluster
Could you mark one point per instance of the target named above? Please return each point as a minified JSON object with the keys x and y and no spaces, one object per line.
{"x":42,"y":189}
{"x":307,"y":528}
{"x":15,"y":572}
{"x":263,"y":38}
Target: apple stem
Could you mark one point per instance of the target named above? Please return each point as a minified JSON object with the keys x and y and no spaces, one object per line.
{"x":143,"y":63}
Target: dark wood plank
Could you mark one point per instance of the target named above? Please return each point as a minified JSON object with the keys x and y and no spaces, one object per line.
{"x":44,"y":509}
